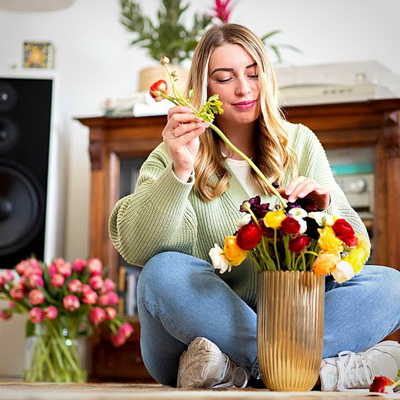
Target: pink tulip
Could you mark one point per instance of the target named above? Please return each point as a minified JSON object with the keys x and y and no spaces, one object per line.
{"x":71,"y":302}
{"x":79,"y":265}
{"x":96,"y":282}
{"x":36,"y":297}
{"x":21,"y":266}
{"x":3,"y":281}
{"x":9,"y":275}
{"x":52,"y":270}
{"x":109,"y":285}
{"x":103,"y":300}
{"x":126,"y":329}
{"x":75,"y":286}
{"x":63,"y":267}
{"x":89,"y":297}
{"x":86,"y":288}
{"x":113,"y":299}
{"x":95,"y":266}
{"x":50,"y":312}
{"x":57,"y":280}
{"x":111,"y":313}
{"x":33,"y":269}
{"x":36,"y":315}
{"x":97,"y":315}
{"x":5,"y":315}
{"x":17,"y":292}
{"x":35,"y":280}
{"x":117,"y":339}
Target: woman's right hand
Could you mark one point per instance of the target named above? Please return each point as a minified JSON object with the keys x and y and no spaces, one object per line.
{"x":181,"y":136}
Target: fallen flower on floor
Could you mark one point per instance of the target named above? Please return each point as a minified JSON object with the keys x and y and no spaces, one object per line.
{"x":383,"y":384}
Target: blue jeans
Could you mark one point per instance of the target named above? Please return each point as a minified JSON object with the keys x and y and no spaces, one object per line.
{"x":180,"y":297}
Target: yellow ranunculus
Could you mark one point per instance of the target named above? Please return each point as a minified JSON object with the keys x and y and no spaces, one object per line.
{"x":328,"y":241}
{"x":364,"y":244}
{"x":356,"y":258}
{"x":325,"y":263}
{"x":273,"y":219}
{"x":233,"y":252}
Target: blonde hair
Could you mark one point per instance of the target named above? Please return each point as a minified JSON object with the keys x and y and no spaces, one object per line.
{"x":273,"y":156}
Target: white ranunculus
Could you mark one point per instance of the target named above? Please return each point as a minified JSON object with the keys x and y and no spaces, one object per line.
{"x":342,"y":272}
{"x":243,"y":220}
{"x":303,"y":225}
{"x":298,"y":213}
{"x":219,"y":260}
{"x":322,"y":218}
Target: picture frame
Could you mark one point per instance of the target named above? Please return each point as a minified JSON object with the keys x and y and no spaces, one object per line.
{"x":38,"y":55}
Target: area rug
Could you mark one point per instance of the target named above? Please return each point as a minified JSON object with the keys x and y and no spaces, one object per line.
{"x":108,"y":391}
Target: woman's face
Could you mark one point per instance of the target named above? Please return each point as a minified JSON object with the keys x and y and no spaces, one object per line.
{"x":233,"y":75}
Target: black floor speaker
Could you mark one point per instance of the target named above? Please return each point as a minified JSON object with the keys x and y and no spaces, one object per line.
{"x":25,"y":127}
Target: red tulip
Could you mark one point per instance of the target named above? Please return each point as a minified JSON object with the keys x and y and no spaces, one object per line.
{"x":158,"y":90}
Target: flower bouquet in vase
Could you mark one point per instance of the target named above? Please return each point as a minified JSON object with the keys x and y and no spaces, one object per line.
{"x":293,"y":245}
{"x":63,"y":302}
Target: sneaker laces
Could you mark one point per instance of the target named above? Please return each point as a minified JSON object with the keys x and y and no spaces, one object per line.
{"x":232,"y":376}
{"x":354,"y":371}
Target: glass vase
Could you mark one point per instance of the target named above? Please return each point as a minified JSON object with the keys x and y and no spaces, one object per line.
{"x":55,"y":353}
{"x":290,"y":329}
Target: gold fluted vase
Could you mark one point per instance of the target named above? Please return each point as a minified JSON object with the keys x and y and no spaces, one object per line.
{"x":290,"y":329}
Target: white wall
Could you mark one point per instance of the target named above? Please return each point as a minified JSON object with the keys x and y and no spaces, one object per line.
{"x":94,"y":61}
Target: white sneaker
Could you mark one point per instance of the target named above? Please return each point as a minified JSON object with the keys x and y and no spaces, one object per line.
{"x":203,"y":365}
{"x":357,"y":370}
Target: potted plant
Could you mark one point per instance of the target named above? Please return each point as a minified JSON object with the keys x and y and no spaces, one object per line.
{"x":168,"y":37}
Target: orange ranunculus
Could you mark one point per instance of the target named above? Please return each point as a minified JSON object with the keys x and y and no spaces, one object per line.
{"x":233,"y":252}
{"x":328,"y":242}
{"x":273,"y":219}
{"x":326,"y":262}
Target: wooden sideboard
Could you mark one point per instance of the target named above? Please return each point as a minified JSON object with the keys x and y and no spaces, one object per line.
{"x":374,"y":123}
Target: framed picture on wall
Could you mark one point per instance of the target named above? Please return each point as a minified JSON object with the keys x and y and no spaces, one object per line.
{"x":38,"y":55}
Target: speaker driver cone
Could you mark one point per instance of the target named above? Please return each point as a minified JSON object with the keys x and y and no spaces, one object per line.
{"x":22,"y":207}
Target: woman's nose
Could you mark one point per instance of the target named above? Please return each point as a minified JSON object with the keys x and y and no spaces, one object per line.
{"x":243,"y":87}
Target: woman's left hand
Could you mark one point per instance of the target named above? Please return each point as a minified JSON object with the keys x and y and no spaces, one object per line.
{"x":305,"y":187}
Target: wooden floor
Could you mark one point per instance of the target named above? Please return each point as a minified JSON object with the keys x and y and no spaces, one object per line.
{"x":46,"y":391}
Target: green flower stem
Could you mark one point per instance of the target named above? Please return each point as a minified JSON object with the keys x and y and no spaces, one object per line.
{"x":276,"y":249}
{"x":54,"y":357}
{"x":288,"y":253}
{"x":250,"y":162}
{"x":180,"y":100}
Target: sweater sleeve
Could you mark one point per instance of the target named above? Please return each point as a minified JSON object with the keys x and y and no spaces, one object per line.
{"x":313,"y":163}
{"x":157,"y":217}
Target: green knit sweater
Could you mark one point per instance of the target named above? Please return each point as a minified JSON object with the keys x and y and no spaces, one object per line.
{"x":164,"y":214}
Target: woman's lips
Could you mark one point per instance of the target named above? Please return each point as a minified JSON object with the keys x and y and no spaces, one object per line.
{"x":245,"y":105}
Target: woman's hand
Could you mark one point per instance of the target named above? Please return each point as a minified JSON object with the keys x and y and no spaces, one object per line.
{"x":305,"y":187}
{"x":181,"y":136}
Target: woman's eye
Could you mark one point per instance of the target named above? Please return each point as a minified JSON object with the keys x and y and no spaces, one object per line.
{"x":220,"y":80}
{"x":253,"y":76}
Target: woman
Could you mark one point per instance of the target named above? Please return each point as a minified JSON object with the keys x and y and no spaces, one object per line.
{"x":199,"y":327}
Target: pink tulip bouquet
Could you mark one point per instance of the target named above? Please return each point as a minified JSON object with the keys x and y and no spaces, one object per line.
{"x":289,"y":236}
{"x":63,"y":301}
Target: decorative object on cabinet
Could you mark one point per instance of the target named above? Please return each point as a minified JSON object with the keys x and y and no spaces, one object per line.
{"x":373,"y":124}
